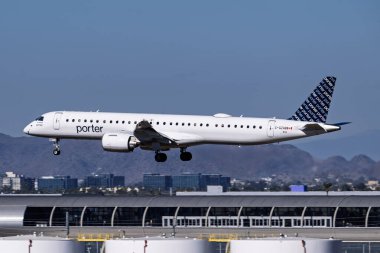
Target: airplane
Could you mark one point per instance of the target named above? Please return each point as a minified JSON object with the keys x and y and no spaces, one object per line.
{"x":123,"y":132}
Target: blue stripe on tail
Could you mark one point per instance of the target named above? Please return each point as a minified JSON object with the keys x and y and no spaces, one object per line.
{"x":316,"y":106}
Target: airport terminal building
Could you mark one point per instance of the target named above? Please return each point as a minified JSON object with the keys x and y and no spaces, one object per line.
{"x":255,"y":210}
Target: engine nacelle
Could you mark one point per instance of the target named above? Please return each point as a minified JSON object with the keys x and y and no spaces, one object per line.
{"x":119,"y":142}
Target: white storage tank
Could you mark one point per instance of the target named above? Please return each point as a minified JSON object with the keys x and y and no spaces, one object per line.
{"x":285,"y":245}
{"x":40,"y":244}
{"x":158,"y":245}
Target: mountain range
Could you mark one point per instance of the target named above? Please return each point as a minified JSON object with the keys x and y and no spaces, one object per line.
{"x":33,"y":157}
{"x":366,"y":142}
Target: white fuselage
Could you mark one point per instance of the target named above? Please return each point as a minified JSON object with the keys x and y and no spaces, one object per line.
{"x":123,"y":132}
{"x":188,"y":130}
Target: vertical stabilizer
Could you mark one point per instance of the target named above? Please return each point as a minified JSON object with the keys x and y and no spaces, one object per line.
{"x":316,"y":106}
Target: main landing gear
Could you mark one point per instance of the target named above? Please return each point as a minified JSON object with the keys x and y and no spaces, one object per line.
{"x":160,"y":157}
{"x":56,"y":150}
{"x":185,"y":156}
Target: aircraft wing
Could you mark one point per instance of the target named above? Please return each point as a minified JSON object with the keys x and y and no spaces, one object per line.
{"x":147,"y":135}
{"x":183,"y":138}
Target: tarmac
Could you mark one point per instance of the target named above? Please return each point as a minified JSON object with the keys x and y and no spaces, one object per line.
{"x":345,"y":234}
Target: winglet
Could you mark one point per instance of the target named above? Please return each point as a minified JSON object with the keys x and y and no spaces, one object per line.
{"x":316,"y":106}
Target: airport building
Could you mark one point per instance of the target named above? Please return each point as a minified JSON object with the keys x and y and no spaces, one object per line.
{"x":16,"y":182}
{"x":185,"y":181}
{"x":156,"y":181}
{"x":265,"y":210}
{"x":106,"y":180}
{"x":56,"y":183}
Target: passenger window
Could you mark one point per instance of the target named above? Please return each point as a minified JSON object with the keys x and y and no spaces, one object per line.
{"x":73,"y":120}
{"x":157,"y":123}
{"x":235,"y":126}
{"x":183,"y":124}
{"x":91,"y":120}
{"x":123,"y":122}
{"x":67,"y":120}
{"x":111,"y":121}
{"x":117,"y":122}
{"x":195,"y":124}
{"x":241,"y":126}
{"x":229,"y":126}
{"x":207,"y":125}
{"x":129,"y":122}
{"x":85,"y":120}
{"x":176,"y":123}
{"x":78,"y":120}
{"x":135,"y":122}
{"x":260,"y":127}
{"x":97,"y":121}
{"x":164,"y":123}
{"x":104,"y":121}
{"x":247,"y":126}
{"x":216,"y":125}
{"x":201,"y":124}
{"x":171,"y":123}
{"x":188,"y":124}
{"x":254,"y":126}
{"x":222,"y":125}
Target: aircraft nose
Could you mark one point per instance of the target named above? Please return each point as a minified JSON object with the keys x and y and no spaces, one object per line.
{"x":27,"y":129}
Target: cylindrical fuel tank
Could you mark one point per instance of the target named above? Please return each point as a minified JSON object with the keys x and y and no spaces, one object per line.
{"x":40,"y":244}
{"x":158,"y":245}
{"x":285,"y":245}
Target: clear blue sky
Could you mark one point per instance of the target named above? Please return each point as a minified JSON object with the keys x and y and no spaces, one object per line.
{"x":256,"y":58}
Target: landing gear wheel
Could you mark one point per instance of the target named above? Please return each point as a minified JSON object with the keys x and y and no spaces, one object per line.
{"x":186,"y":156}
{"x":56,"y":152}
{"x":160,"y":157}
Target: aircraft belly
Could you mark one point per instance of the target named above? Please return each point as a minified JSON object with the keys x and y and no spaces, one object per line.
{"x":252,"y":139}
{"x":235,"y":139}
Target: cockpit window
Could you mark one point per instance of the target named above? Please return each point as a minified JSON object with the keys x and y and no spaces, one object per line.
{"x":40,"y":118}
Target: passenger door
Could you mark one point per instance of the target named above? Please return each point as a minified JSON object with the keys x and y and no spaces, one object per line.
{"x":57,"y":120}
{"x":271,"y":127}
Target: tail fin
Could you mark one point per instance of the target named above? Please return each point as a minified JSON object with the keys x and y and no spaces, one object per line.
{"x":316,"y":106}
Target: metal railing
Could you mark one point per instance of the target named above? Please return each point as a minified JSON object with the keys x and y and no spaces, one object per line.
{"x":94,"y":237}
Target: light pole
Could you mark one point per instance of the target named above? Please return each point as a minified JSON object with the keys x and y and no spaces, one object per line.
{"x":30,"y":245}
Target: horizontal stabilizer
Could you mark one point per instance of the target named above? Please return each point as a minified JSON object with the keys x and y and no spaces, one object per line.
{"x":312,"y":127}
{"x":341,"y":123}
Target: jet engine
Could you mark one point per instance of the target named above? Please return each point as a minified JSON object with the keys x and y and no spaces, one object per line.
{"x":119,"y":142}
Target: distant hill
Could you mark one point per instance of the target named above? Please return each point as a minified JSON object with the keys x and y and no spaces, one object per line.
{"x":367,"y":142}
{"x":33,"y":157}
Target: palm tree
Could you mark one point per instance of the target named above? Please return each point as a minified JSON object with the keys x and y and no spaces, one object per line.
{"x":327,"y":188}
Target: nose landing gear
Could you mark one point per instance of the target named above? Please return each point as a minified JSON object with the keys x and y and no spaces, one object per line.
{"x":57,"y":150}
